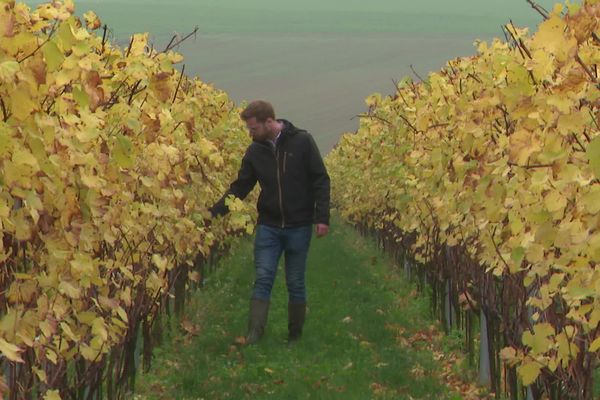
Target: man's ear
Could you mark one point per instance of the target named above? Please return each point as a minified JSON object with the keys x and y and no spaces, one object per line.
{"x":270,"y":122}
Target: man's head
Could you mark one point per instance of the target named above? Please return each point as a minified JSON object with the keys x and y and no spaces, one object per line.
{"x":259,"y":117}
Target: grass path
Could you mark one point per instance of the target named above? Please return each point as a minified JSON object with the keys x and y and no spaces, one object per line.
{"x":368,"y":335}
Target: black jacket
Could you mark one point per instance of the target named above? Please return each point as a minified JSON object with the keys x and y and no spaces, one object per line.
{"x":293,"y":180}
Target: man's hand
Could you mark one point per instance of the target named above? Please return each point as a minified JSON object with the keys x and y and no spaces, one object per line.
{"x":321,"y":230}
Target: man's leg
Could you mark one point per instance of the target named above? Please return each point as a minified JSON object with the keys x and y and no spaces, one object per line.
{"x":267,"y":251}
{"x":297,"y":242}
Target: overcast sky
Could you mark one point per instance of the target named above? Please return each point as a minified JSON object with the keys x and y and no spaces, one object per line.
{"x":316,"y":60}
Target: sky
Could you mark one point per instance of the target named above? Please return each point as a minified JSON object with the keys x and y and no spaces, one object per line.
{"x":481,"y":17}
{"x":315,"y":60}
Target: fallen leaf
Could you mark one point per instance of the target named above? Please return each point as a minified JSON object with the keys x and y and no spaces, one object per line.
{"x":173,"y":364}
{"x":241,"y":340}
{"x":417,"y":371}
{"x":377,"y":388}
{"x":190,"y":328}
{"x":195,"y":276}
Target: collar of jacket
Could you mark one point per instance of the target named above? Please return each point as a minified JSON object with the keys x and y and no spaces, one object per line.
{"x":288,"y":130}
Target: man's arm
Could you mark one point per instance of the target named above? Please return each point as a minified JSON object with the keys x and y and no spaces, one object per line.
{"x":321,"y":187}
{"x":239,"y":188}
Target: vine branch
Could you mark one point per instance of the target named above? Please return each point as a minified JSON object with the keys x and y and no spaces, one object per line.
{"x":178,"y":84}
{"x":374,"y":117}
{"x":105,"y":30}
{"x":173,"y":44}
{"x":133,"y":91}
{"x":416,"y":74}
{"x":585,"y":68}
{"x":40,"y":45}
{"x":541,"y":10}
{"x":530,"y":166}
{"x":130,"y":46}
{"x":578,"y":142}
{"x":4,"y":111}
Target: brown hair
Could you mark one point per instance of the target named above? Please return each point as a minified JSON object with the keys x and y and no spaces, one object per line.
{"x":259,"y":109}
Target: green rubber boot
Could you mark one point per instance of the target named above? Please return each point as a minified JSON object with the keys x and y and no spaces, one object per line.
{"x":296,"y":317}
{"x":259,"y":310}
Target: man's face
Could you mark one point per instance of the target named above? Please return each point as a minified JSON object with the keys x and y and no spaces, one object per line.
{"x":259,"y":130}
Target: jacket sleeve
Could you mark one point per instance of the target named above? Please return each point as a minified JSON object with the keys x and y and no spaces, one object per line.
{"x":240,"y":188}
{"x":320,"y":183}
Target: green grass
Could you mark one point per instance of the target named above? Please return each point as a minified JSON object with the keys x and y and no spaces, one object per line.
{"x":359,"y":338}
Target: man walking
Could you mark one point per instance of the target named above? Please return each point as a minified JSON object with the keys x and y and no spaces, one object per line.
{"x":294,"y":195}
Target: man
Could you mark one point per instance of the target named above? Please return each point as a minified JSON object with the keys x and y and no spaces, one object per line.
{"x":294,"y":195}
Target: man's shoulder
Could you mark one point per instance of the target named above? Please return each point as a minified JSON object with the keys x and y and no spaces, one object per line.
{"x":298,"y":136}
{"x":301,"y":139}
{"x":301,"y":134}
{"x":257,"y":146}
{"x":291,"y":129}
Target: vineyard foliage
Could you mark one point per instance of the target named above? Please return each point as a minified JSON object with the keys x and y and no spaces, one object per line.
{"x":109,"y":159}
{"x":499,"y":154}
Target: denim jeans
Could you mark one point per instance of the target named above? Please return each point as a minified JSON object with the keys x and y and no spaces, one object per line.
{"x":269,"y":243}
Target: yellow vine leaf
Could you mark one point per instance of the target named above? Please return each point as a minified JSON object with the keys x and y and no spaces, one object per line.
{"x":523,"y":144}
{"x":8,"y":71}
{"x":41,"y":374}
{"x":69,"y":289}
{"x":529,"y":371}
{"x":53,"y":55}
{"x":52,"y":356}
{"x":567,"y":349}
{"x":162,"y":263}
{"x":595,"y":345}
{"x":52,"y":395}
{"x":591,"y":200}
{"x":555,"y":201}
{"x":552,"y":38}
{"x":539,"y":341}
{"x":21,"y":103}
{"x":593,"y":155}
{"x":139,"y":42}
{"x":91,"y":20}
{"x":89,"y":352}
{"x":10,"y":351}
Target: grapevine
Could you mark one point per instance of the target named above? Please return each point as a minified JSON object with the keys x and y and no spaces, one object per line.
{"x":109,"y":160}
{"x":489,"y":172}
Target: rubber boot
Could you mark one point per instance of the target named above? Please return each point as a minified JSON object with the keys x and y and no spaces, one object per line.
{"x":296,"y":316}
{"x":257,"y":320}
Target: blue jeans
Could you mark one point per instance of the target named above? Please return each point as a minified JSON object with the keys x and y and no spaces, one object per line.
{"x":269,"y":243}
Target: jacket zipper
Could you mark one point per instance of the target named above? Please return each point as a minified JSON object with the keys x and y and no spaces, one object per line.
{"x":279,"y":186}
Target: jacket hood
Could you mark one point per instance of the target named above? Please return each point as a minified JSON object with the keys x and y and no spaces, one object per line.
{"x":288,"y":127}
